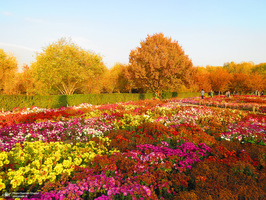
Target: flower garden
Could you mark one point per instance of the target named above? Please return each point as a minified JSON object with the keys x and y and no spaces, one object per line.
{"x":243,"y":102}
{"x":148,"y":149}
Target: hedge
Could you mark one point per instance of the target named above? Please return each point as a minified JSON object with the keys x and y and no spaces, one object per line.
{"x":8,"y":102}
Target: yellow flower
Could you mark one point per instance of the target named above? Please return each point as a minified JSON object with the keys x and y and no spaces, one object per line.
{"x":49,"y":161}
{"x":30,"y":181}
{"x":36,"y":163}
{"x":66,"y":163}
{"x":68,"y":171}
{"x":52,"y":177}
{"x":40,"y":181}
{"x":6,"y":162}
{"x":2,"y":185}
{"x":77,"y":161}
{"x":58,"y":169}
{"x":14,"y":183}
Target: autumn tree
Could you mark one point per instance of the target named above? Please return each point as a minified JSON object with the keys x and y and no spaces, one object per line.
{"x":64,"y":68}
{"x":8,"y":68}
{"x":260,"y":69}
{"x":159,"y":64}
{"x":256,"y":81}
{"x":23,"y":83}
{"x":111,"y":80}
{"x":201,"y":79}
{"x":243,"y":67}
{"x":118,"y":78}
{"x":220,"y":80}
{"x":239,"y":83}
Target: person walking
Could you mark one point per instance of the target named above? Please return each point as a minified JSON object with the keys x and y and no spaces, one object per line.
{"x":211,"y":93}
{"x":202,"y":93}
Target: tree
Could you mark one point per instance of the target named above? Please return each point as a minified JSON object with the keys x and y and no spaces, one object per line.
{"x":117,"y":80}
{"x":202,"y":80}
{"x":24,"y":82}
{"x":220,"y":80}
{"x":256,"y":82}
{"x":159,"y":64}
{"x":260,"y":68}
{"x":8,"y":68}
{"x":64,"y":68}
{"x":239,"y":83}
{"x":243,"y":67}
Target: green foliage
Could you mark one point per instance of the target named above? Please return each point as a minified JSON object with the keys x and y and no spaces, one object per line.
{"x":168,"y":95}
{"x":8,"y":102}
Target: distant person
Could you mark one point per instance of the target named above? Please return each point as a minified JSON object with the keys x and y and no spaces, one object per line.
{"x":234,"y":93}
{"x":211,"y":93}
{"x":227,"y":94}
{"x":202,"y":93}
{"x":261,"y":93}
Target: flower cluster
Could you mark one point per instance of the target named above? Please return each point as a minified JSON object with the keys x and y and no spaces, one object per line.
{"x":251,"y":130}
{"x":77,"y":130}
{"x":37,"y":162}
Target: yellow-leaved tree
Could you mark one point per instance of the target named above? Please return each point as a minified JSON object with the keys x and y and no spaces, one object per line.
{"x":64,"y":68}
{"x":8,"y":69}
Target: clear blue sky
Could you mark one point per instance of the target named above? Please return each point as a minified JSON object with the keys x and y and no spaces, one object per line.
{"x":211,"y":32}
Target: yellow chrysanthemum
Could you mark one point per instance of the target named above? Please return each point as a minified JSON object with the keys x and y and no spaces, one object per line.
{"x":2,"y":185}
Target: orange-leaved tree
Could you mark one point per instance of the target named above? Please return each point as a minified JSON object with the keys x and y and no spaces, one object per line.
{"x":239,"y":83}
{"x":201,"y":79}
{"x":256,"y":81}
{"x":220,"y":79}
{"x":159,"y":64}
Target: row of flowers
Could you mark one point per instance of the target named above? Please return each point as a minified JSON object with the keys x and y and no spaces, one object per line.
{"x":251,"y":103}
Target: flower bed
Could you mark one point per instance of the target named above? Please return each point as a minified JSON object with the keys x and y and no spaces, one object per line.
{"x":148,"y":149}
{"x":244,"y":102}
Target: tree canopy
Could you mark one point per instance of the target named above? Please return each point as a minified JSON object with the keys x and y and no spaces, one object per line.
{"x":63,"y":68}
{"x":8,"y":68}
{"x":243,"y":67}
{"x":159,"y":64}
{"x":220,"y":80}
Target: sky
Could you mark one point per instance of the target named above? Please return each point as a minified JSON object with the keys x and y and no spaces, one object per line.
{"x":211,"y":32}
